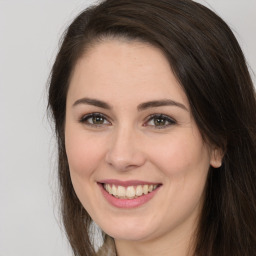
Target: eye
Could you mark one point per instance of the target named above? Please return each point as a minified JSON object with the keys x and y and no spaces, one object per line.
{"x":95,"y":119}
{"x":160,"y":121}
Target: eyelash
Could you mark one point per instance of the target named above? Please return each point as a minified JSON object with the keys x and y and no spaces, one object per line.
{"x":165,"y":118}
{"x":85,"y":120}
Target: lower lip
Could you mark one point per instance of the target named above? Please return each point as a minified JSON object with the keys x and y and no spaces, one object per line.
{"x":127,"y":203}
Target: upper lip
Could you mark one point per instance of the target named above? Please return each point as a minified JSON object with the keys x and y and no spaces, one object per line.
{"x":127,"y":183}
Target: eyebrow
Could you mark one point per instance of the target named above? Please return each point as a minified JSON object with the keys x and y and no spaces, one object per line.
{"x":141,"y":107}
{"x":93,"y":102}
{"x":160,"y":103}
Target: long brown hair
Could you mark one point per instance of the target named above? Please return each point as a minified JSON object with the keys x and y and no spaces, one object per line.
{"x":210,"y":66}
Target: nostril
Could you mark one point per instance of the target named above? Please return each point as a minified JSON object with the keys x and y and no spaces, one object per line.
{"x":124,"y":161}
{"x":124,"y":152}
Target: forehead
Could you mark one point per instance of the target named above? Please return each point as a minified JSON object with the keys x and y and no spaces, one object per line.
{"x":124,"y":69}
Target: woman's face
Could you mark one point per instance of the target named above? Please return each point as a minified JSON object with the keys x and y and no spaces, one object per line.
{"x":129,"y":130}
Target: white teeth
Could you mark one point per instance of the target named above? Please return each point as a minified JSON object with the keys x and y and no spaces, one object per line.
{"x":145,"y":189}
{"x":114,"y":190}
{"x":121,"y":191}
{"x":139,"y":191}
{"x":129,"y":192}
{"x":109,"y":189}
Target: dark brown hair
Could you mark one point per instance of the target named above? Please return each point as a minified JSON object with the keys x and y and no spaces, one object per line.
{"x":210,"y":66}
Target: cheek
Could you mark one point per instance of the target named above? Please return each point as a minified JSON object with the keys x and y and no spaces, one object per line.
{"x":180,"y":155}
{"x":84,"y":155}
{"x":184,"y":162}
{"x":83,"y":152}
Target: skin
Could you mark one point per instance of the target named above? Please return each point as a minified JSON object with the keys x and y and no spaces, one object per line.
{"x":128,"y":145}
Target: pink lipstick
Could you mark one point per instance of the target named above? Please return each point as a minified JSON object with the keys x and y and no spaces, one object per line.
{"x":128,"y":194}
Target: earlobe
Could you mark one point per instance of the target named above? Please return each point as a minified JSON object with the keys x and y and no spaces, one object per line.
{"x":216,"y":158}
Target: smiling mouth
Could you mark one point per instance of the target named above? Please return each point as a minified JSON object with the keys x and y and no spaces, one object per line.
{"x":129,"y":192}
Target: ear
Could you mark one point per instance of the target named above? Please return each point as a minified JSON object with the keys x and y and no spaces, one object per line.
{"x":216,"y":157}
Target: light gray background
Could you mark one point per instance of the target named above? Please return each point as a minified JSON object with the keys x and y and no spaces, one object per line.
{"x":29,"y":34}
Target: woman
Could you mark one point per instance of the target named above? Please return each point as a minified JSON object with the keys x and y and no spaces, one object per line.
{"x":154,"y":112}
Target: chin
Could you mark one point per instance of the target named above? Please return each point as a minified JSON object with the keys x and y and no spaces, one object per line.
{"x":129,"y":230}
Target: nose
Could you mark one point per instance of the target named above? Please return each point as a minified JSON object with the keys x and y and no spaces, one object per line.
{"x":125,"y":151}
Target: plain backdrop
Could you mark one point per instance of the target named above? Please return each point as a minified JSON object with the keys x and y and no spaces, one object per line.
{"x":29,"y":35}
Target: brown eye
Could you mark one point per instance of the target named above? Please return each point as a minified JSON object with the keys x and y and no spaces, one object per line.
{"x":95,"y":119}
{"x":160,"y":121}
